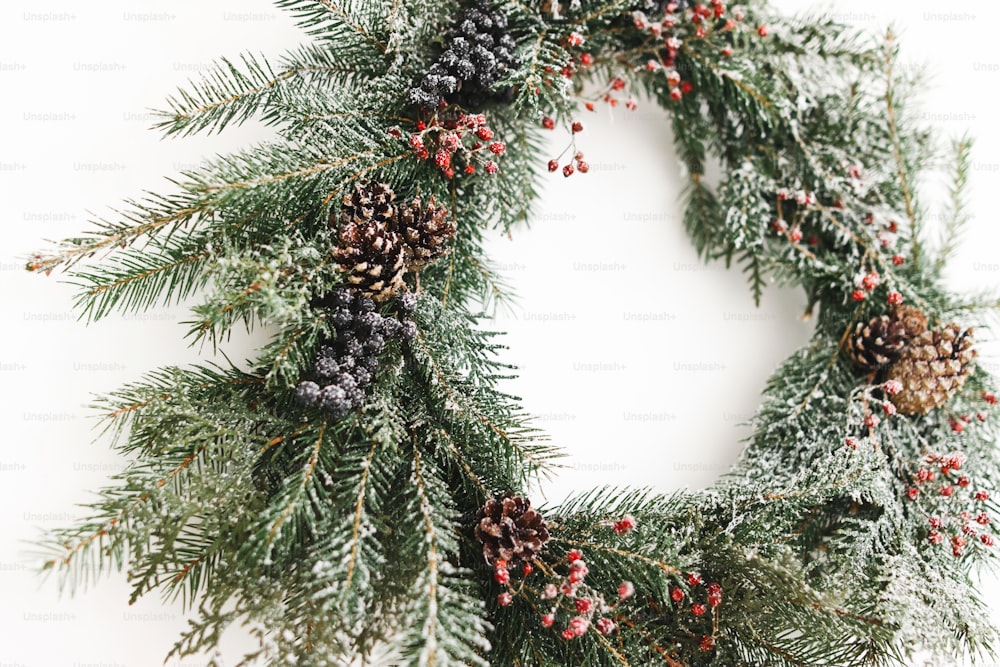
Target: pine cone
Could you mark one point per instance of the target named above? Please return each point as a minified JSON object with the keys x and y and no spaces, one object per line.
{"x":370,"y":250}
{"x":932,"y":368}
{"x":913,"y":319}
{"x":877,"y":342}
{"x":510,"y":530}
{"x":371,"y":202}
{"x":425,"y":231}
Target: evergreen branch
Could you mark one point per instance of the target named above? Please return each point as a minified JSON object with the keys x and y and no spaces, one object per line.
{"x":428,"y":654}
{"x":359,"y":507}
{"x":307,"y":475}
{"x":665,"y":568}
{"x":897,"y":150}
{"x":959,"y":214}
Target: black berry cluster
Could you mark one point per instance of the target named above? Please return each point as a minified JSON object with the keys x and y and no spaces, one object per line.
{"x":479,"y":52}
{"x":345,"y":365}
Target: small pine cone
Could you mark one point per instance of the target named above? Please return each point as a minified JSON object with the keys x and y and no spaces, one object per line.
{"x":510,"y":530}
{"x":932,"y":368}
{"x":370,"y":251}
{"x":369,"y":203}
{"x":426,"y":231}
{"x":878,"y":342}
{"x":913,"y":319}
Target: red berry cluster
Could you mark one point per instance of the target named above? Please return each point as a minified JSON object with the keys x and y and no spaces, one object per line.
{"x":456,"y":145}
{"x":580,"y":607}
{"x":957,"y":515}
{"x":673,"y":29}
{"x":565,"y":596}
{"x":689,"y":603}
{"x":792,"y":203}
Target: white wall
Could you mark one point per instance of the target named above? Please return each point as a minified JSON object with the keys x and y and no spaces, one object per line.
{"x":639,"y":360}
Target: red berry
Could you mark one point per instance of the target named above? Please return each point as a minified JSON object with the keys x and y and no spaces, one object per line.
{"x":421,"y":126}
{"x":504,"y":599}
{"x":449,"y":172}
{"x":470,"y":169}
{"x":579,"y":625}
{"x":912,"y":493}
{"x":502,"y":576}
{"x":498,"y":147}
{"x":958,"y":541}
{"x":548,"y":123}
{"x":577,"y":127}
{"x":527,"y":569}
{"x":568,"y":634}
{"x":442,"y":158}
{"x":553,"y":165}
{"x":935,"y":537}
{"x":574,"y":39}
{"x":548,"y":620}
{"x":895,"y":298}
{"x":986,"y":539}
{"x":851,"y":442}
{"x":698,"y":609}
{"x":686,"y":87}
{"x":676,"y":594}
{"x":946,"y":490}
{"x":934,"y":522}
{"x":589,"y":106}
{"x":675,"y":94}
{"x":484,"y":133}
{"x":713,"y":588}
{"x":694,"y":578}
{"x":983,"y":519}
{"x":715,"y":599}
{"x":605,"y":626}
{"x":990,"y":397}
{"x":981,"y":496}
{"x":491,"y":167}
{"x":416,"y":141}
{"x":870,"y":281}
{"x":568,"y":170}
{"x":871,"y":421}
{"x":858,"y":295}
{"x":727,"y":52}
{"x":795,"y":235}
{"x":762,"y":31}
{"x":586,"y":59}
{"x":627,"y":522}
{"x":618,"y":84}
{"x":956,"y":552}
{"x":423,"y":154}
{"x":583,"y":605}
{"x":625,"y":590}
{"x":706,"y":644}
{"x":898,"y":259}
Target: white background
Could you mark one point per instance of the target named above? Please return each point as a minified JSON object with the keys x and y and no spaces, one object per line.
{"x":77,"y":80}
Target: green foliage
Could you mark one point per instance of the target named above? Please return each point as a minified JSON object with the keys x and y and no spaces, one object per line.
{"x":334,"y":540}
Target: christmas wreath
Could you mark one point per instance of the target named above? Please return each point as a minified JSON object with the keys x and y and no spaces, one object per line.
{"x":360,"y":488}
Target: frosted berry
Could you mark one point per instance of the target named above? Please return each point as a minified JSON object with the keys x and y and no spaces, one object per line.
{"x":625,"y":590}
{"x":549,"y":592}
{"x":706,"y":644}
{"x":986,"y":539}
{"x":895,"y":298}
{"x":676,"y":594}
{"x":548,"y":620}
{"x":548,"y":123}
{"x":505,"y":599}
{"x":625,"y":524}
{"x":573,"y":555}
{"x":502,"y":576}
{"x":577,"y":127}
{"x":553,"y":165}
{"x":567,"y":634}
{"x":698,"y":609}
{"x":605,"y":626}
{"x":694,"y":578}
{"x":568,"y":170}
{"x":579,"y":625}
{"x":583,"y":605}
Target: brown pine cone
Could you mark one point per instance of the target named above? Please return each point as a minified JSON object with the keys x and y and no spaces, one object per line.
{"x":510,"y":530}
{"x":932,"y":368}
{"x":876,"y":343}
{"x":913,"y":319}
{"x":369,"y":202}
{"x":370,"y":252}
{"x":426,"y":231}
